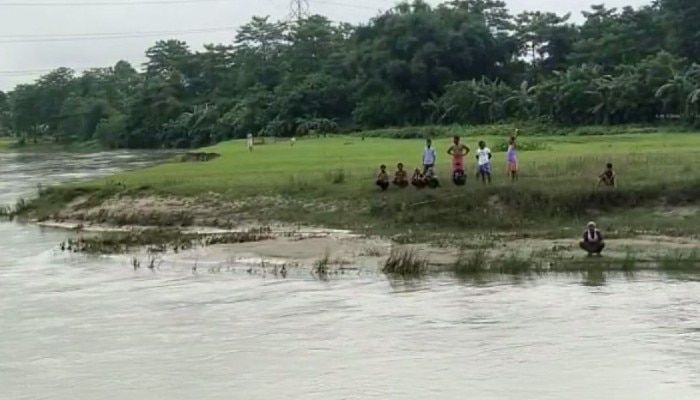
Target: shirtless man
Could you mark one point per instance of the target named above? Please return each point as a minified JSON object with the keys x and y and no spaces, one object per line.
{"x":592,"y":242}
{"x":458,"y":151}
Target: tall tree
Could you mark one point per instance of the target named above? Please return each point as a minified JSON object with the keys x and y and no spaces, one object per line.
{"x":681,"y":21}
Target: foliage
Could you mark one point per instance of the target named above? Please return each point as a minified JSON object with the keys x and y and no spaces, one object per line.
{"x":463,"y":61}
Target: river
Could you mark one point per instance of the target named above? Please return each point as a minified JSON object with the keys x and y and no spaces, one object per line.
{"x":76,"y":327}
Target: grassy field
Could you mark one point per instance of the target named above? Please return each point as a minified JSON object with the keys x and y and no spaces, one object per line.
{"x":5,"y":143}
{"x":330,"y":181}
{"x":315,"y":165}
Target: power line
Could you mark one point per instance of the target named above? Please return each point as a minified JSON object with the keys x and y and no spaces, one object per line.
{"x":350,"y":5}
{"x":106,"y":3}
{"x":298,"y":9}
{"x":29,"y":72}
{"x":104,"y":36}
{"x":304,"y":3}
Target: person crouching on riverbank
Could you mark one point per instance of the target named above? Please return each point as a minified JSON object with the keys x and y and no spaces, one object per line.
{"x":400,"y":176}
{"x":383,"y":178}
{"x":592,"y":241}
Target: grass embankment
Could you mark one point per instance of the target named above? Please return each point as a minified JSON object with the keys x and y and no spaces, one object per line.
{"x":5,"y":144}
{"x":329,"y":181}
{"x":45,"y":146}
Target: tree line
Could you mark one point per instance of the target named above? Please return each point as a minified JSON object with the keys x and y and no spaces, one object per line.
{"x":464,"y":62}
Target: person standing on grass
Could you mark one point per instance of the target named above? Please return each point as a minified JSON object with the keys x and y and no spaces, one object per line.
{"x":483,"y":159}
{"x":458,"y":151}
{"x":429,"y":156}
{"x":249,"y":140}
{"x":511,"y":158}
{"x":592,"y":242}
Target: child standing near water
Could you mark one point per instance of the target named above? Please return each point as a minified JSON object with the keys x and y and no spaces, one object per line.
{"x":483,"y":159}
{"x":249,"y":141}
{"x":458,"y":151}
{"x":429,"y":156}
{"x":511,"y":158}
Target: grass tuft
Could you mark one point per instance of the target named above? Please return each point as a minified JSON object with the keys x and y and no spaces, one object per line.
{"x":472,"y":264}
{"x":405,"y":262}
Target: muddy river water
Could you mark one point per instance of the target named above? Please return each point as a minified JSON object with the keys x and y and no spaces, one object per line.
{"x":76,"y":327}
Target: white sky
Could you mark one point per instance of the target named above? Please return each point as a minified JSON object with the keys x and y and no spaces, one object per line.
{"x":16,"y":59}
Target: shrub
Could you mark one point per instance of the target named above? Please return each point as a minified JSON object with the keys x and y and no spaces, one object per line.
{"x":405,"y":262}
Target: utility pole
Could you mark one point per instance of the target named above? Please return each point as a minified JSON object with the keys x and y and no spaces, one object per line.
{"x":298,"y":9}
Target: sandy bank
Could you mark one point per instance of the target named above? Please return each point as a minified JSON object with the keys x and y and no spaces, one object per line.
{"x":305,"y":246}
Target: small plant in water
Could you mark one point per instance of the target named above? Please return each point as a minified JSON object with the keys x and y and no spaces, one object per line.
{"x":406,"y":262}
{"x":629,"y":263}
{"x":678,"y":260}
{"x":322,"y":265}
{"x":472,"y":264}
{"x":513,"y":265}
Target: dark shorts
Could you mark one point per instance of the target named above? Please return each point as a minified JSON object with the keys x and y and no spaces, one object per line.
{"x":485,"y":168}
{"x":426,"y":167}
{"x":459,"y":178}
{"x":592,"y":248}
{"x":383,"y":185}
{"x":401,"y":183}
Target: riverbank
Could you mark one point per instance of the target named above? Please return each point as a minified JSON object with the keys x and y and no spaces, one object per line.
{"x":44,"y":146}
{"x":329,"y":182}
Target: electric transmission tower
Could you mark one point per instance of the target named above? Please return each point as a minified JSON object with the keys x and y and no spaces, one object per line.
{"x":298,"y":9}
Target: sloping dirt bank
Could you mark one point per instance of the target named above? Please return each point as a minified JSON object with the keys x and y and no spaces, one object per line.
{"x":309,"y":246}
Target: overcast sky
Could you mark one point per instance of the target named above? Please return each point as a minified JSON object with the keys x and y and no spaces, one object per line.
{"x":17,"y":23}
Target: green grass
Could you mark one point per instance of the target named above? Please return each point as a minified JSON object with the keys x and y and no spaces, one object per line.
{"x":316,"y":164}
{"x":330,"y":181}
{"x":5,"y":143}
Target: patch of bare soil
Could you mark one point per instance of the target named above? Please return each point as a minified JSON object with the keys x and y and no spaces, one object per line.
{"x":682,"y":212}
{"x":153,"y":211}
{"x":343,"y":250}
{"x":306,"y":246}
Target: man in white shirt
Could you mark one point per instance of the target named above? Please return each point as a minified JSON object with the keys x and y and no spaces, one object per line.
{"x":429,"y":156}
{"x":483,"y":158}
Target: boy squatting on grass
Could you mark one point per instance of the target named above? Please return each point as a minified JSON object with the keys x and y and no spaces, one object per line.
{"x":608,"y":177}
{"x":400,"y":176}
{"x":420,"y":180}
{"x":383,"y":178}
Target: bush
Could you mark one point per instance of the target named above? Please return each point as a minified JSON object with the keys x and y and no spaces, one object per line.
{"x":405,"y":262}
